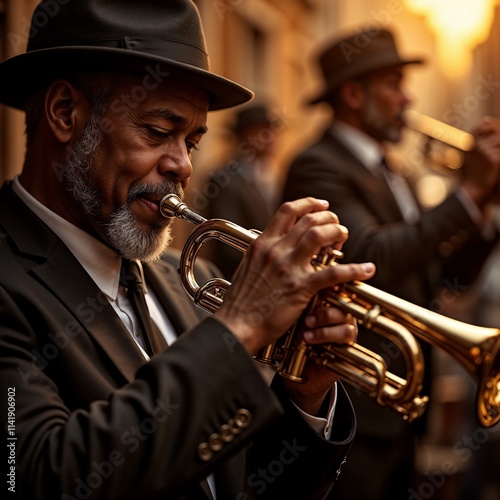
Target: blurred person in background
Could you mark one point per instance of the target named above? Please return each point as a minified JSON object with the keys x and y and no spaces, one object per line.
{"x":245,"y":188}
{"x":414,"y":251}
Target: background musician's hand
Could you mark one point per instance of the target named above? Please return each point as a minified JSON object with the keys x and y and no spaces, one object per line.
{"x":481,"y":169}
{"x":276,"y":280}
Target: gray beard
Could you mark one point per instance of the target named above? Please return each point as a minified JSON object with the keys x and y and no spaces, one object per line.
{"x":121,"y":230}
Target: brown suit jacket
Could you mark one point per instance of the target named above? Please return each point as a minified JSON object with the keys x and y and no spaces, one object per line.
{"x":92,"y":419}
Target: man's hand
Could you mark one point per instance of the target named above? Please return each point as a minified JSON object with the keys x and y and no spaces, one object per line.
{"x":481,"y":169}
{"x":324,"y":325}
{"x":276,"y":279}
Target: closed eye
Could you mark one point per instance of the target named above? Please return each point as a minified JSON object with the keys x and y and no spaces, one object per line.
{"x":191,"y":145}
{"x":159,"y":133}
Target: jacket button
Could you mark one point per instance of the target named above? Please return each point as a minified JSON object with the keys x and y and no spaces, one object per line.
{"x":215,"y":442}
{"x":243,"y":418}
{"x":204,"y":452}
{"x":445,"y":249}
{"x":226,"y":433}
{"x":235,"y":428}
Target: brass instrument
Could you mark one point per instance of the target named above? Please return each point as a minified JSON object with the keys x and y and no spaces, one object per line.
{"x":445,"y":144}
{"x":438,"y":130}
{"x":474,"y":347}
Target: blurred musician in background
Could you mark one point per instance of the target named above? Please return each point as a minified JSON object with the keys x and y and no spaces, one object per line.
{"x":246,"y":193}
{"x":414,"y":251}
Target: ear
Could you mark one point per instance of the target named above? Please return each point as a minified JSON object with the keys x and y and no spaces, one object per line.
{"x":353,"y":94}
{"x":66,"y":109}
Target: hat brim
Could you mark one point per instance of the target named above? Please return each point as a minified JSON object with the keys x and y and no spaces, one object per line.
{"x":22,"y":74}
{"x":357,"y":71}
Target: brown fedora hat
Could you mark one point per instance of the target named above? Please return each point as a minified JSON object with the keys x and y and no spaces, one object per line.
{"x":355,"y":55}
{"x":162,"y":38}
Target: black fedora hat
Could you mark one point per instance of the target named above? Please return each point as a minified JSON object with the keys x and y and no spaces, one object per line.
{"x":355,"y":55}
{"x":161,"y":37}
{"x":249,"y":115}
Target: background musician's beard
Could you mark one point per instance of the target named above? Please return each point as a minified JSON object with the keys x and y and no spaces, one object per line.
{"x":121,"y":230}
{"x":377,"y":124}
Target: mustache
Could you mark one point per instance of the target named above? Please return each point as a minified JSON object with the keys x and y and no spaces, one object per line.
{"x":161,"y":189}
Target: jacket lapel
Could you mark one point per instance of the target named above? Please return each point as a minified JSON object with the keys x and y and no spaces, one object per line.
{"x":164,"y":280}
{"x":375,"y":189}
{"x":52,"y":263}
{"x":101,"y":322}
{"x":61,"y":273}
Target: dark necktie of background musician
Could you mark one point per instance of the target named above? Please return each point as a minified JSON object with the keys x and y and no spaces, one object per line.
{"x":131,"y":279}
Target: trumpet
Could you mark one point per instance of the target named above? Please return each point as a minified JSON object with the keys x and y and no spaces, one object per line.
{"x":475,"y":348}
{"x":451,"y":142}
{"x":440,"y":131}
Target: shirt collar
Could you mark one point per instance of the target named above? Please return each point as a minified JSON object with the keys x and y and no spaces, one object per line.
{"x":101,"y":262}
{"x":366,"y":149}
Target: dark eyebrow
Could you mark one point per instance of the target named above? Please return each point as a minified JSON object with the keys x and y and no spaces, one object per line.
{"x":172,"y":117}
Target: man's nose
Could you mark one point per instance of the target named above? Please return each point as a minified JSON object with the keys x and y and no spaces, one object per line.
{"x":176,"y":163}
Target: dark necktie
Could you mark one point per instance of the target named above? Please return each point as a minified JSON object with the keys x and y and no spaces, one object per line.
{"x":131,"y":279}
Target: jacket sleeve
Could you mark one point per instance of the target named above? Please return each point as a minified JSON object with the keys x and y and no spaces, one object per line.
{"x":290,"y":460}
{"x":188,"y":409}
{"x":150,"y":438}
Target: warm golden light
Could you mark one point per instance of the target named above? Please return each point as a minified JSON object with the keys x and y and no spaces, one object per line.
{"x":431,"y":190}
{"x":459,"y":25}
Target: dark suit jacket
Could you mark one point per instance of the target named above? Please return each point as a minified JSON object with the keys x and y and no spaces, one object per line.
{"x":93,"y":420}
{"x":443,"y":249}
{"x":235,"y":197}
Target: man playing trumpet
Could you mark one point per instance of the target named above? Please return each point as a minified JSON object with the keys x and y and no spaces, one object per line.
{"x":414,"y":251}
{"x":116,"y":96}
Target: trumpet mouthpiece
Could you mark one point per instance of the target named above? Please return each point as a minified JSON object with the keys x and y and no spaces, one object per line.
{"x":171,"y":206}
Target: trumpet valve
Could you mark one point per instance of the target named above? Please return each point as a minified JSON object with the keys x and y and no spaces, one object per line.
{"x":269,"y":354}
{"x":327,"y":256}
{"x":294,"y":362}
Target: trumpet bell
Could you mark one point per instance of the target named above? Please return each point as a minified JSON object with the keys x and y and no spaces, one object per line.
{"x":488,"y":393}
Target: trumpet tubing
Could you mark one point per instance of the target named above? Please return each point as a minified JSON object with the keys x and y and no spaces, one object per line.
{"x":475,"y":348}
{"x":439,"y":131}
